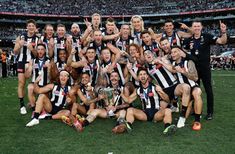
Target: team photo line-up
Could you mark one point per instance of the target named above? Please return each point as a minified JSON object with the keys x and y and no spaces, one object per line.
{"x":100,"y":73}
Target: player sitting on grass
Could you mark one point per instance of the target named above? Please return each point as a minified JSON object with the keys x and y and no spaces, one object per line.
{"x":113,"y":105}
{"x":56,"y":105}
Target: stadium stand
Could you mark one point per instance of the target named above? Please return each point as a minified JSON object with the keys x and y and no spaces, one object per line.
{"x":130,"y":7}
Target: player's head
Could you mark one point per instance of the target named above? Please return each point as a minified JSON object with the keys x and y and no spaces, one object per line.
{"x":61,"y":30}
{"x":75,"y":29}
{"x":106,"y":54}
{"x":142,"y":75}
{"x":165,"y":45}
{"x":64,"y":77}
{"x":31,"y":26}
{"x":197,"y":27}
{"x":85,"y":78}
{"x":62,"y":54}
{"x":49,"y":31}
{"x":148,"y":56}
{"x":137,"y":23}
{"x":133,"y":50}
{"x":41,"y":50}
{"x":114,"y":77}
{"x":110,"y":24}
{"x":125,"y":30}
{"x":97,"y":35}
{"x":175,"y":52}
{"x":90,"y":54}
{"x":96,"y":19}
{"x":146,"y":36}
{"x":168,"y":26}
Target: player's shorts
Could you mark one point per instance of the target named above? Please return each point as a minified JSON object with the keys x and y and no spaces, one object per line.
{"x":170,"y":91}
{"x":150,"y":113}
{"x":21,"y":67}
{"x":55,"y":109}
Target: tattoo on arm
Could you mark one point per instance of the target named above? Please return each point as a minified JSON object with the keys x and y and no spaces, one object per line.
{"x":192,"y":71}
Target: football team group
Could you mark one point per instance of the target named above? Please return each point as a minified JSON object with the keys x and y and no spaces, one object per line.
{"x":78,"y":77}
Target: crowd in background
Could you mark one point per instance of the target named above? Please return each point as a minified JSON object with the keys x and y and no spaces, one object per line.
{"x":129,"y":7}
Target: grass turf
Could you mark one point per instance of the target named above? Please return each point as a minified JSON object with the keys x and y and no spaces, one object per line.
{"x":216,"y":136}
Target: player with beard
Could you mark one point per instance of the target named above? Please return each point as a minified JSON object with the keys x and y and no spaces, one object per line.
{"x":113,"y":107}
{"x":25,"y":49}
{"x":153,"y":105}
{"x":39,"y":66}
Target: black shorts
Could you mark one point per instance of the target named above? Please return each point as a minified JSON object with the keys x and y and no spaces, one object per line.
{"x":150,"y":113}
{"x":21,"y":67}
{"x":55,"y":109}
{"x":170,"y":91}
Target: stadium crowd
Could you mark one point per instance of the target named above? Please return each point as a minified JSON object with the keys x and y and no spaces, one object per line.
{"x":129,"y":7}
{"x":108,"y":68}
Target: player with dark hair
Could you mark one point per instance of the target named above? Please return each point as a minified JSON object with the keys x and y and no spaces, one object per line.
{"x":39,"y":66}
{"x":186,"y":73}
{"x":159,"y":69}
{"x":112,"y":106}
{"x":153,"y":105}
{"x":25,"y":49}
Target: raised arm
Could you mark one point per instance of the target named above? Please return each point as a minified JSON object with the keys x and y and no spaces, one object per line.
{"x":223,"y":38}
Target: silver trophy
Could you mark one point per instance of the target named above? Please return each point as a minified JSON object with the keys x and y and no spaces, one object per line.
{"x":109,"y":93}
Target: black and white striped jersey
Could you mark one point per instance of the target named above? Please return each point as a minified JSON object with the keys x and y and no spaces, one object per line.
{"x":161,"y":75}
{"x":39,"y":68}
{"x":149,"y":97}
{"x":25,"y":55}
{"x":182,"y":78}
{"x":59,"y":94}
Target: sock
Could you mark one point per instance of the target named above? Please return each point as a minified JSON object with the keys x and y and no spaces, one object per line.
{"x":33,"y":108}
{"x":130,"y":124}
{"x":168,"y":106}
{"x":85,"y":123}
{"x":21,"y":102}
{"x":166,"y":125}
{"x":120,"y":121}
{"x":197,"y":117}
{"x":183,"y":111}
{"x":36,"y":115}
{"x":48,"y":117}
{"x":175,"y":104}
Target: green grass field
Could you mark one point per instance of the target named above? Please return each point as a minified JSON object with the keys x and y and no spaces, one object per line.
{"x":216,"y":136}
